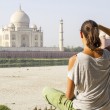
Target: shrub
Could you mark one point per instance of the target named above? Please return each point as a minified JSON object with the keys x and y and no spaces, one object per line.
{"x":3,"y":107}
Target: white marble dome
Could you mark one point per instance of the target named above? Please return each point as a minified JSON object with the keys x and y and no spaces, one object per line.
{"x":20,"y":19}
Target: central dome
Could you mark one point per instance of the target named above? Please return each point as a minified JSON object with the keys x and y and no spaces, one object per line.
{"x":20,"y":19}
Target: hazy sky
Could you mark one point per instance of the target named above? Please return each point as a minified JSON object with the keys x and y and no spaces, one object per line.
{"x":47,"y":14}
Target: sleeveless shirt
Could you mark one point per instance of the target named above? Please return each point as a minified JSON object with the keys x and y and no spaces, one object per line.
{"x":91,"y":77}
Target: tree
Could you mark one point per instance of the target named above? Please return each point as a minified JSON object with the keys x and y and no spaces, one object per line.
{"x":3,"y":107}
{"x":78,"y":49}
{"x":73,"y":49}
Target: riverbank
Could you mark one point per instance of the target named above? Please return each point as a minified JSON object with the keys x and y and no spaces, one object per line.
{"x":21,"y":88}
{"x":32,"y":62}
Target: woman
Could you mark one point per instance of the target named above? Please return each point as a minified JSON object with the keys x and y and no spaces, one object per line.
{"x":88,"y":81}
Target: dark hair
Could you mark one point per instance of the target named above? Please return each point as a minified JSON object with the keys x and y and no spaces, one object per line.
{"x":91,"y":32}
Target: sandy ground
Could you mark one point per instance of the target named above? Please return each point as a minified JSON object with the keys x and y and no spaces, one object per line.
{"x":21,"y":88}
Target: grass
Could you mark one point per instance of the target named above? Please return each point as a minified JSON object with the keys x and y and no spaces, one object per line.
{"x":24,"y":62}
{"x":3,"y":107}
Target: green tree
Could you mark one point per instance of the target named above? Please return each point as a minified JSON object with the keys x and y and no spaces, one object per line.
{"x":78,"y":49}
{"x":73,"y":49}
{"x":3,"y":107}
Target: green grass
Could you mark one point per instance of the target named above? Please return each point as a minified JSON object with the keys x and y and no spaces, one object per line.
{"x":24,"y":62}
{"x":3,"y":107}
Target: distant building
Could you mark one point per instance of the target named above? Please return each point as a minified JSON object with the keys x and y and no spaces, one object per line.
{"x":19,"y":36}
{"x":19,"y":40}
{"x":105,"y":39}
{"x":61,"y":48}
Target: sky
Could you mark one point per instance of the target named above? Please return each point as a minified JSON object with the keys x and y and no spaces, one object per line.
{"x":48,"y":13}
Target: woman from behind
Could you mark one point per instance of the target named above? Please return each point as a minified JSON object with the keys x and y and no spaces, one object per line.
{"x":88,"y":81}
{"x":90,"y":72}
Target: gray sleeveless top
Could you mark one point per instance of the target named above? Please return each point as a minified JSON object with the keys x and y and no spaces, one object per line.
{"x":91,"y":77}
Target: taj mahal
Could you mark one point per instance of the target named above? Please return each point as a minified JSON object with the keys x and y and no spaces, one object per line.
{"x":20,"y":40}
{"x":19,"y":36}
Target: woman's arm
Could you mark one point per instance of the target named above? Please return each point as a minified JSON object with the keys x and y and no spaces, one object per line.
{"x":70,"y":83}
{"x":104,"y":29}
{"x":107,"y":31}
{"x":70,"y":89}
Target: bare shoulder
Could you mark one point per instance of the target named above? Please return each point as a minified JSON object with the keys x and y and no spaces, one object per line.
{"x":71,"y":62}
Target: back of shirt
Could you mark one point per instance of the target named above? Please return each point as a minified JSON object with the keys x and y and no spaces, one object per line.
{"x":91,"y":77}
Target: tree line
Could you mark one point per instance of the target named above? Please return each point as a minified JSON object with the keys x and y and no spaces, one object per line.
{"x":73,"y":49}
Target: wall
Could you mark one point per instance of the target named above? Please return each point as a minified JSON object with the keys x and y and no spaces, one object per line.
{"x":35,"y":54}
{"x":29,"y":49}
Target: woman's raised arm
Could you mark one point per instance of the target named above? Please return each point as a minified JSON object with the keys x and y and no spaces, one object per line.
{"x":104,"y":29}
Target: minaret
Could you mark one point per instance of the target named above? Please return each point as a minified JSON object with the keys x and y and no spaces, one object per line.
{"x":61,"y":48}
{"x":20,"y":7}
